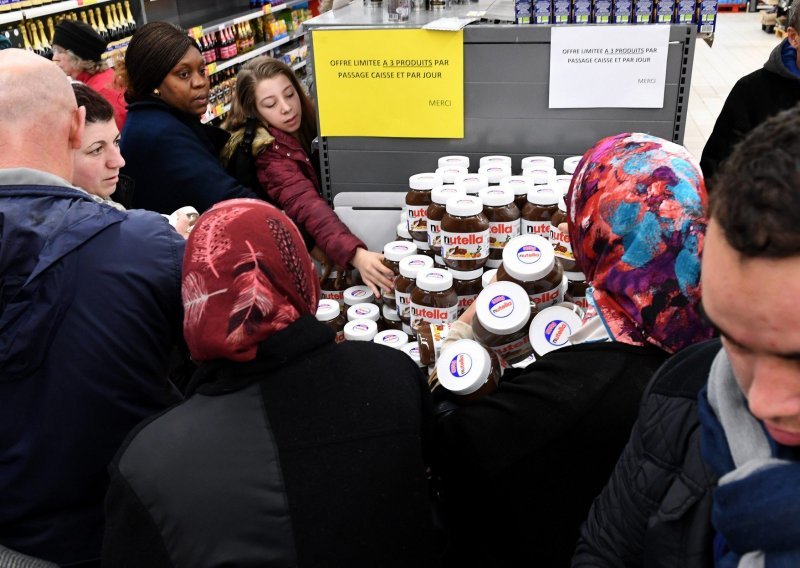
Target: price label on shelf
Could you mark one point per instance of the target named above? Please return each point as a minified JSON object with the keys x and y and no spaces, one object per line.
{"x":196,"y":32}
{"x":211,"y":68}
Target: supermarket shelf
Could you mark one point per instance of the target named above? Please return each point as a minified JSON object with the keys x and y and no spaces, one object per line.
{"x":254,"y":53}
{"x":215,"y":113}
{"x":221,"y":24}
{"x":299,"y":65}
{"x":55,"y":8}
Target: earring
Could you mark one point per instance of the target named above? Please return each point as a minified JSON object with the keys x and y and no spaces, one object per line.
{"x":156,"y":92}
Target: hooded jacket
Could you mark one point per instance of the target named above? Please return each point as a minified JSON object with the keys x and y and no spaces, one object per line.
{"x":753,"y":99}
{"x":89,"y":309}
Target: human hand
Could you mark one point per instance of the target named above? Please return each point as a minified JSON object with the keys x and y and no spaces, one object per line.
{"x":322,"y":259}
{"x":373,"y":272}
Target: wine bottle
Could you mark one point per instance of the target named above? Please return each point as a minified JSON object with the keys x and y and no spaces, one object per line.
{"x":113,"y":30}
{"x":25,"y":41}
{"x":101,"y":26}
{"x":48,"y":49}
{"x":129,"y":17}
{"x":51,"y":29}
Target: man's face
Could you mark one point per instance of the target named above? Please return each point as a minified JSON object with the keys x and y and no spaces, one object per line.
{"x":794,"y":39}
{"x":754,"y":304}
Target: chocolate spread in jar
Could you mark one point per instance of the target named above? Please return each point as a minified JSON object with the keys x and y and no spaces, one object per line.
{"x":520,"y":186}
{"x":433,"y":299}
{"x":436,"y":211}
{"x":330,"y":313}
{"x":465,"y":234}
{"x":468,"y":285}
{"x":393,"y":253}
{"x":504,"y":224}
{"x":560,"y":240}
{"x":468,"y":370}
{"x":538,"y":212}
{"x":333,"y":287}
{"x":502,"y":317}
{"x":391,"y":320}
{"x":576,"y":289}
{"x":530,"y":262}
{"x":417,"y":200}
{"x":404,"y":284}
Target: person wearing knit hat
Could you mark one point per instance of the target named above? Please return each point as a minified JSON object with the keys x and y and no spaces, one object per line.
{"x":78,"y":50}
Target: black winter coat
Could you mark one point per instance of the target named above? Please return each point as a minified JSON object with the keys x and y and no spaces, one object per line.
{"x":311,"y":455}
{"x":655,"y":511}
{"x":753,"y":99}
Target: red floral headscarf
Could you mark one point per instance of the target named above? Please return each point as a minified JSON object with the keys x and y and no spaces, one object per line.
{"x":246,"y":275}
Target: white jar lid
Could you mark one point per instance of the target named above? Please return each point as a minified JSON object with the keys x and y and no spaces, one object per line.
{"x":363,"y":311}
{"x":412,"y":350}
{"x":327,"y":310}
{"x":495,"y":172}
{"x":391,"y":338}
{"x":449,"y":173}
{"x":518,"y":184}
{"x":464,"y":206}
{"x":463,"y":367}
{"x":503,"y":308}
{"x":562,"y":183}
{"x":440,"y":195}
{"x":528,"y":257}
{"x":402,"y":230}
{"x":389,"y":313}
{"x":494,"y":160}
{"x":552,"y":327}
{"x":360,"y":330}
{"x":411,"y":265}
{"x":466,"y":274}
{"x":358,"y":295}
{"x":434,"y":280}
{"x":454,"y":161}
{"x":425,"y":181}
{"x":472,"y":183}
{"x":543,"y":195}
{"x":575,"y":276}
{"x":496,"y":196}
{"x":538,"y":161}
{"x":486,"y":279}
{"x":571,"y":164}
{"x":422,"y":245}
{"x":395,"y":251}
{"x":540,"y":175}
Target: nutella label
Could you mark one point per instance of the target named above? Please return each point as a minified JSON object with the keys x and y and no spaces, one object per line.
{"x":501,"y":306}
{"x":403,"y":300}
{"x":460,"y":365}
{"x":337,"y":295}
{"x":465,"y":302}
{"x":436,"y":316}
{"x":417,"y":218}
{"x":529,"y":254}
{"x":339,"y":336}
{"x":361,"y":312}
{"x":514,"y":350}
{"x":502,"y":232}
{"x":581,"y":302}
{"x":561,"y":244}
{"x":434,"y":233}
{"x":557,"y":332}
{"x":549,"y":298}
{"x":390,"y":339}
{"x":541,"y":228}
{"x":465,"y":246}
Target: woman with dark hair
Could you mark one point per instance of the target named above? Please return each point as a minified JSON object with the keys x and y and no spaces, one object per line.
{"x":171,"y":156}
{"x":274,"y":121}
{"x":290,"y":449}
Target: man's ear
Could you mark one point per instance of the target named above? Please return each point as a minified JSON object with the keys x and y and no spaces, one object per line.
{"x":76,"y":128}
{"x":794,"y":37}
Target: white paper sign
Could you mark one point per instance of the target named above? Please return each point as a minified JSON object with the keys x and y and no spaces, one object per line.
{"x":608,"y":66}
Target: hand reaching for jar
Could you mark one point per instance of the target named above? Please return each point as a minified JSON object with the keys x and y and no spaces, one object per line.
{"x":373,"y":272}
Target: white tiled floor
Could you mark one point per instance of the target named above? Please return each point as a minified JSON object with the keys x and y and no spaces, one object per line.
{"x":740,"y":47}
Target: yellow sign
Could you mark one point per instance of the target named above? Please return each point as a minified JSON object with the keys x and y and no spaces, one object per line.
{"x":395,"y":83}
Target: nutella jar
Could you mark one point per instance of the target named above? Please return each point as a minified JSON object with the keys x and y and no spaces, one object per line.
{"x":576,"y":289}
{"x":402,"y":232}
{"x":471,"y":184}
{"x":552,"y":327}
{"x":502,"y":317}
{"x":467,"y":285}
{"x":504,"y":225}
{"x":538,"y":162}
{"x":487,"y":161}
{"x":358,"y":295}
{"x":562,"y":184}
{"x":520,"y":186}
{"x":329,"y":313}
{"x":363,"y":311}
{"x":466,"y":369}
{"x":333,"y":287}
{"x":436,"y":211}
{"x":538,"y":213}
{"x":560,"y":240}
{"x":541,"y":175}
{"x":405,"y":282}
{"x":430,"y":338}
{"x":465,"y":234}
{"x":529,"y":261}
{"x":495,"y":173}
{"x":391,"y":320}
{"x":391,"y":338}
{"x":461,"y":161}
{"x":433,"y":299}
{"x":487,"y":277}
{"x":393,"y":253}
{"x":417,"y":201}
{"x":412,"y":350}
{"x":438,"y":262}
{"x":571,"y":164}
{"x":450,"y":173}
{"x":360,"y":330}
{"x":424,"y":249}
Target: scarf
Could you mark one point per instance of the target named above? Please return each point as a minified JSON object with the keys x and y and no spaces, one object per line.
{"x":637,"y":217}
{"x":756,"y":510}
{"x":246,"y":276}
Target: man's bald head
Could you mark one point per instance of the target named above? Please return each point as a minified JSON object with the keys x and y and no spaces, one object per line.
{"x":38,"y":114}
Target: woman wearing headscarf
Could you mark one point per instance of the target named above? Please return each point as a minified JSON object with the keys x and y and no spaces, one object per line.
{"x":169,"y":153}
{"x":523,"y":464}
{"x":291,"y":449}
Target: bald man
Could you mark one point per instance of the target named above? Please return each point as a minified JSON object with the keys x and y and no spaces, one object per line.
{"x":89,"y":310}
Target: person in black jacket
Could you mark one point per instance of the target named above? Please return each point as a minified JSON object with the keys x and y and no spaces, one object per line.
{"x":713,"y":479}
{"x":521,"y":466}
{"x":756,"y":97}
{"x":291,"y":450}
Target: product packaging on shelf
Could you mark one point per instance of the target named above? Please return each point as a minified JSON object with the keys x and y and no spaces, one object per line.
{"x":643,"y":11}
{"x":686,"y":12}
{"x":561,"y":10}
{"x":522,"y":11}
{"x":602,"y":12}
{"x":707,"y":16}
{"x":542,"y":12}
{"x":581,"y":12}
{"x":623,"y":11}
{"x":664,"y":11}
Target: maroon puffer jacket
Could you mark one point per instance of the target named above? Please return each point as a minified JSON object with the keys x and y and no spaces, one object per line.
{"x":288,"y":177}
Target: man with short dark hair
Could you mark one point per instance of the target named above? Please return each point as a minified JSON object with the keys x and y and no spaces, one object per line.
{"x":756,"y":97}
{"x":714,"y":479}
{"x":89,"y":309}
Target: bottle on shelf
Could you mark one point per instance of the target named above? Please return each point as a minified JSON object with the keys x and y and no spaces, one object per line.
{"x":48,"y":49}
{"x":51,"y":29}
{"x":92,"y":21}
{"x":129,"y":18}
{"x":101,"y":27}
{"x":26,"y":44}
{"x":37,"y":45}
{"x":113,"y":27}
